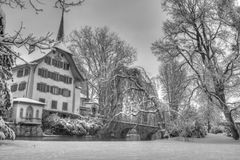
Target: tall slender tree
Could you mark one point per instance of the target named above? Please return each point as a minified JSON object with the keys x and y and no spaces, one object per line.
{"x":174,"y":83}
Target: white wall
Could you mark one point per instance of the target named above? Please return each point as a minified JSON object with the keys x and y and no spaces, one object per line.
{"x":18,"y":80}
{"x":77,"y":100}
{"x":18,"y":106}
{"x":48,"y":96}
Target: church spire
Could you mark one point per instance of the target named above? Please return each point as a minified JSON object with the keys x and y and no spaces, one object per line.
{"x":60,"y":34}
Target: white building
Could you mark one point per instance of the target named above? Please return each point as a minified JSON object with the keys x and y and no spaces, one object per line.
{"x":26,"y":111}
{"x":51,"y":78}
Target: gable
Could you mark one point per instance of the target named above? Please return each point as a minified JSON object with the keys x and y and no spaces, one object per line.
{"x":57,"y":53}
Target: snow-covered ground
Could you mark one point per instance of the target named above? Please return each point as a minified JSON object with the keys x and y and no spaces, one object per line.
{"x":214,"y":147}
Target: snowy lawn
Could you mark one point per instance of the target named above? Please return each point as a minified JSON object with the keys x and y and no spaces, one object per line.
{"x":213,"y":147}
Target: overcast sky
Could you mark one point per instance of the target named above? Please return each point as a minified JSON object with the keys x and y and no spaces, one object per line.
{"x":139,"y":22}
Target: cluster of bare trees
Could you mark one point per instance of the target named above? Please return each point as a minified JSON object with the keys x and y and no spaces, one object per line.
{"x":204,"y":36}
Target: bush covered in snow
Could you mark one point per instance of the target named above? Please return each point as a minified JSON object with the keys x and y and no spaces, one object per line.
{"x":67,"y":126}
{"x":5,"y":131}
{"x":217,"y":129}
{"x":194,"y":128}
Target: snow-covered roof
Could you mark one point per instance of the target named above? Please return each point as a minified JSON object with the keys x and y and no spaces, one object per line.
{"x":37,"y":55}
{"x":27,"y":100}
{"x":29,"y":58}
{"x":62,"y":46}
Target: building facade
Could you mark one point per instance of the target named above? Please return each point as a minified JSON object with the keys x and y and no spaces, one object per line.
{"x":52,"y":79}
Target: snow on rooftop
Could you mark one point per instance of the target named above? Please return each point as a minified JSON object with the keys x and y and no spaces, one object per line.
{"x":27,"y":100}
{"x":62,"y":46}
{"x":24,"y":54}
{"x":37,"y":53}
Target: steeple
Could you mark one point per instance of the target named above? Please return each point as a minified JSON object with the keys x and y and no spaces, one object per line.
{"x":60,"y":35}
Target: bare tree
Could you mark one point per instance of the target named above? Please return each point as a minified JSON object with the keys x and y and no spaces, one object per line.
{"x":205,"y":36}
{"x":130,"y":91}
{"x":99,"y":51}
{"x":174,"y":82}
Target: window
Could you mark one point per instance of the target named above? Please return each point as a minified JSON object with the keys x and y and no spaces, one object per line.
{"x":54,"y":104}
{"x":27,"y":70}
{"x":21,"y":113}
{"x":42,"y":100}
{"x":22,"y":86}
{"x":61,"y":78}
{"x":65,"y":106}
{"x":54,"y":62}
{"x":14,"y":87}
{"x":37,"y":114}
{"x":66,"y":93}
{"x":64,"y":79}
{"x":66,"y":66}
{"x":55,"y":90}
{"x":20,"y":72}
{"x":29,"y":113}
{"x":60,"y":65}
{"x":49,"y":74}
{"x":42,"y":87}
{"x":48,"y":60}
{"x":43,"y":72}
{"x":40,"y":71}
{"x":69,"y":80}
{"x":54,"y":76}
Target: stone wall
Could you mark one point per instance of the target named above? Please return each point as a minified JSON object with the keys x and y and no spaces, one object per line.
{"x":27,"y":130}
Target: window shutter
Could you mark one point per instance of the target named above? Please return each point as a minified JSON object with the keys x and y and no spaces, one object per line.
{"x":20,"y":72}
{"x":26,"y":71}
{"x":70,"y":80}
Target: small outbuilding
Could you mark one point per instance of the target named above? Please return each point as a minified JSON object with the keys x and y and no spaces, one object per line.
{"x":26,"y":111}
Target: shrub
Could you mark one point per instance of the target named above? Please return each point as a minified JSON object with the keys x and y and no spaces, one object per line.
{"x":67,"y":126}
{"x":5,"y":131}
{"x":196,"y":129}
{"x":188,"y":128}
{"x":217,"y":129}
{"x":174,"y":129}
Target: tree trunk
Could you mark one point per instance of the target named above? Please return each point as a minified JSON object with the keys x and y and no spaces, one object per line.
{"x":209,"y":126}
{"x":219,"y":90}
{"x":232,"y":126}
